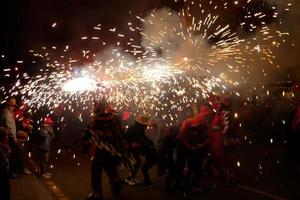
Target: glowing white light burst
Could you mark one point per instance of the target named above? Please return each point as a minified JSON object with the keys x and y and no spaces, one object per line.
{"x":80,"y":85}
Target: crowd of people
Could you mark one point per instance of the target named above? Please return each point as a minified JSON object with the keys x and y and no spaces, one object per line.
{"x":14,"y":136}
{"x":180,"y":152}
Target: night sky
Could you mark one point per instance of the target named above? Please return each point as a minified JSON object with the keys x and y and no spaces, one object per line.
{"x":27,"y":24}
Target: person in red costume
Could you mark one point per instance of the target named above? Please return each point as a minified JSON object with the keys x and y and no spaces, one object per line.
{"x":193,"y":140}
{"x":219,"y":127}
{"x":104,"y":140}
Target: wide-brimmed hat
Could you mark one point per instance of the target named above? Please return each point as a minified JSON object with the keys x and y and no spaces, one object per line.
{"x":143,"y":119}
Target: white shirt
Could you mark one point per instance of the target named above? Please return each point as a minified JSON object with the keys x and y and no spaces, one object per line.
{"x":10,"y":123}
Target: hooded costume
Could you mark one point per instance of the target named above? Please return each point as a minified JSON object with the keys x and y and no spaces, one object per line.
{"x":105,"y":135}
{"x":193,"y":139}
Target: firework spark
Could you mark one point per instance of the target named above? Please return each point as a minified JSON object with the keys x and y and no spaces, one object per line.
{"x":182,"y":58}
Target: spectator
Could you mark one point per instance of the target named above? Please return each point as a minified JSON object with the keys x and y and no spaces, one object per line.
{"x":24,"y":129}
{"x":17,"y":158}
{"x":46,"y":136}
{"x":4,"y":166}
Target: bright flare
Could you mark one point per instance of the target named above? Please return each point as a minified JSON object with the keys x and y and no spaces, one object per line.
{"x":80,"y":85}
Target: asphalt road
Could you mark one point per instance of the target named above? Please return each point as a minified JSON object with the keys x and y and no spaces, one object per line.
{"x":264,"y":174}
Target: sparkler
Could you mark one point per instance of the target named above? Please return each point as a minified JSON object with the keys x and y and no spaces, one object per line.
{"x":182,"y":58}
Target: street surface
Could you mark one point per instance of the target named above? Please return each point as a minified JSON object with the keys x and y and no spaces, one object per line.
{"x":264,"y":173}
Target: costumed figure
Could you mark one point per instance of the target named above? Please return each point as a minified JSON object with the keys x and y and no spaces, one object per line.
{"x":219,"y":127}
{"x":104,"y":140}
{"x":141,"y":145}
{"x":194,"y":138}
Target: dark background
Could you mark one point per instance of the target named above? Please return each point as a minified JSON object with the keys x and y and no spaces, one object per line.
{"x":26,"y":24}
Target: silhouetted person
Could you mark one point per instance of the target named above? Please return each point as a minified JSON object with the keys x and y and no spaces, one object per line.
{"x":4,"y":164}
{"x":46,"y":135}
{"x":140,"y":144}
{"x":194,"y":139}
{"x":104,"y":134}
{"x":219,"y":127}
{"x":8,"y":118}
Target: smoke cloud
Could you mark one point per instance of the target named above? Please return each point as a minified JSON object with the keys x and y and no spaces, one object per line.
{"x":289,"y":54}
{"x":159,"y":33}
